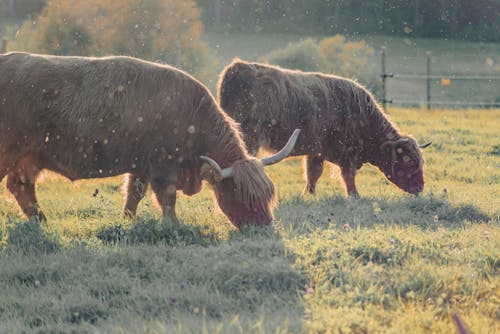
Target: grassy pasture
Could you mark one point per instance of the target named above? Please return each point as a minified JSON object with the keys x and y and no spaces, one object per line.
{"x":384,"y":263}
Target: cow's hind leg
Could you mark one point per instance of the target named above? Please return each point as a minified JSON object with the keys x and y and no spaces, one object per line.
{"x":348,"y":174}
{"x":313,"y":170}
{"x":135,"y":188}
{"x":21,"y":183}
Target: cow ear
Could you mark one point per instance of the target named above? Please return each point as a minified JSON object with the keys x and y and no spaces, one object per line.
{"x":404,"y":144}
{"x":386,"y":147}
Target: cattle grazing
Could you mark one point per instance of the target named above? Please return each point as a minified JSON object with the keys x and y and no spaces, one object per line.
{"x":98,"y":117}
{"x":340,"y":121}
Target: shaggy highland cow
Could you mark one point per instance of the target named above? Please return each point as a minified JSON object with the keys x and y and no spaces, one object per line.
{"x":98,"y":117}
{"x":340,"y":121}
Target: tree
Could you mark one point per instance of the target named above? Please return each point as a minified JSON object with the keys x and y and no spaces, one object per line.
{"x":478,"y":19}
{"x":159,"y":30}
{"x":334,"y":55}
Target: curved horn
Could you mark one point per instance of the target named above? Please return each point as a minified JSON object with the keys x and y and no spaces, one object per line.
{"x":284,"y":152}
{"x":425,"y":145}
{"x":222,"y":173}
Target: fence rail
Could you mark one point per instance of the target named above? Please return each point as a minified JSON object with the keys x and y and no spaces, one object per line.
{"x":442,"y":76}
{"x":428,"y":77}
{"x":447,"y":103}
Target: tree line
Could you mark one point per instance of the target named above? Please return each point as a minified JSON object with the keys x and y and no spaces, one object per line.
{"x":463,"y":19}
{"x":167,"y":31}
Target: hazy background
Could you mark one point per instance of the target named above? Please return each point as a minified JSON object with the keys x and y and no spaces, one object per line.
{"x":342,"y":37}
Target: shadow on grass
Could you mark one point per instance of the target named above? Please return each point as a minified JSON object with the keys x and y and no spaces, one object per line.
{"x":248,"y":273}
{"x":426,"y":212}
{"x":29,"y":237}
{"x":152,"y":231}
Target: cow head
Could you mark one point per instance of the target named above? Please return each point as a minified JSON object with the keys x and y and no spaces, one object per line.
{"x":402,"y":163}
{"x":243,"y":191}
{"x":246,"y":197}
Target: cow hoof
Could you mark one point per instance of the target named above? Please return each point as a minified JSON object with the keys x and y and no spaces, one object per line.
{"x":354,"y":195}
{"x":309,"y":190}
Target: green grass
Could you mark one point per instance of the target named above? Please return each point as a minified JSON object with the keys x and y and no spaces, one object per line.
{"x":385,"y":263}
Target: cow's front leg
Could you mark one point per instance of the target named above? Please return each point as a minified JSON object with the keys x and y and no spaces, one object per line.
{"x":134,"y":188}
{"x":165,"y":192}
{"x":21,"y":183}
{"x":348,"y":174}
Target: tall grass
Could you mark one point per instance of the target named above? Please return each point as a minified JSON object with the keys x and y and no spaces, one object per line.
{"x":387,"y":262}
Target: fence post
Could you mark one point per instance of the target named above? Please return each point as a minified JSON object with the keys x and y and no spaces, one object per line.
{"x":384,"y":79}
{"x":428,"y":80}
{"x":3,"y":47}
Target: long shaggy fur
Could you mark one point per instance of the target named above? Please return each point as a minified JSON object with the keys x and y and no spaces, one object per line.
{"x":88,"y":117}
{"x":278,"y":99}
{"x":253,"y":186}
{"x":340,"y":120}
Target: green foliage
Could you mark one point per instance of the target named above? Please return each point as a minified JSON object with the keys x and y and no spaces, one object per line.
{"x":460,"y":19}
{"x":304,"y":55}
{"x":333,"y":55}
{"x":345,"y":57}
{"x":165,"y":31}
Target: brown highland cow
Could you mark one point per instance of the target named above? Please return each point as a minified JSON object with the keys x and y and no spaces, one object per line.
{"x":340,"y":121}
{"x":99,"y":117}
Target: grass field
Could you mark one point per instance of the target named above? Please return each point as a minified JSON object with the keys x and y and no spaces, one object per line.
{"x":385,"y":263}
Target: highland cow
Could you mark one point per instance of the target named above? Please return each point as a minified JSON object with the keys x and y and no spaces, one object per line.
{"x":98,"y":117}
{"x":340,"y":121}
